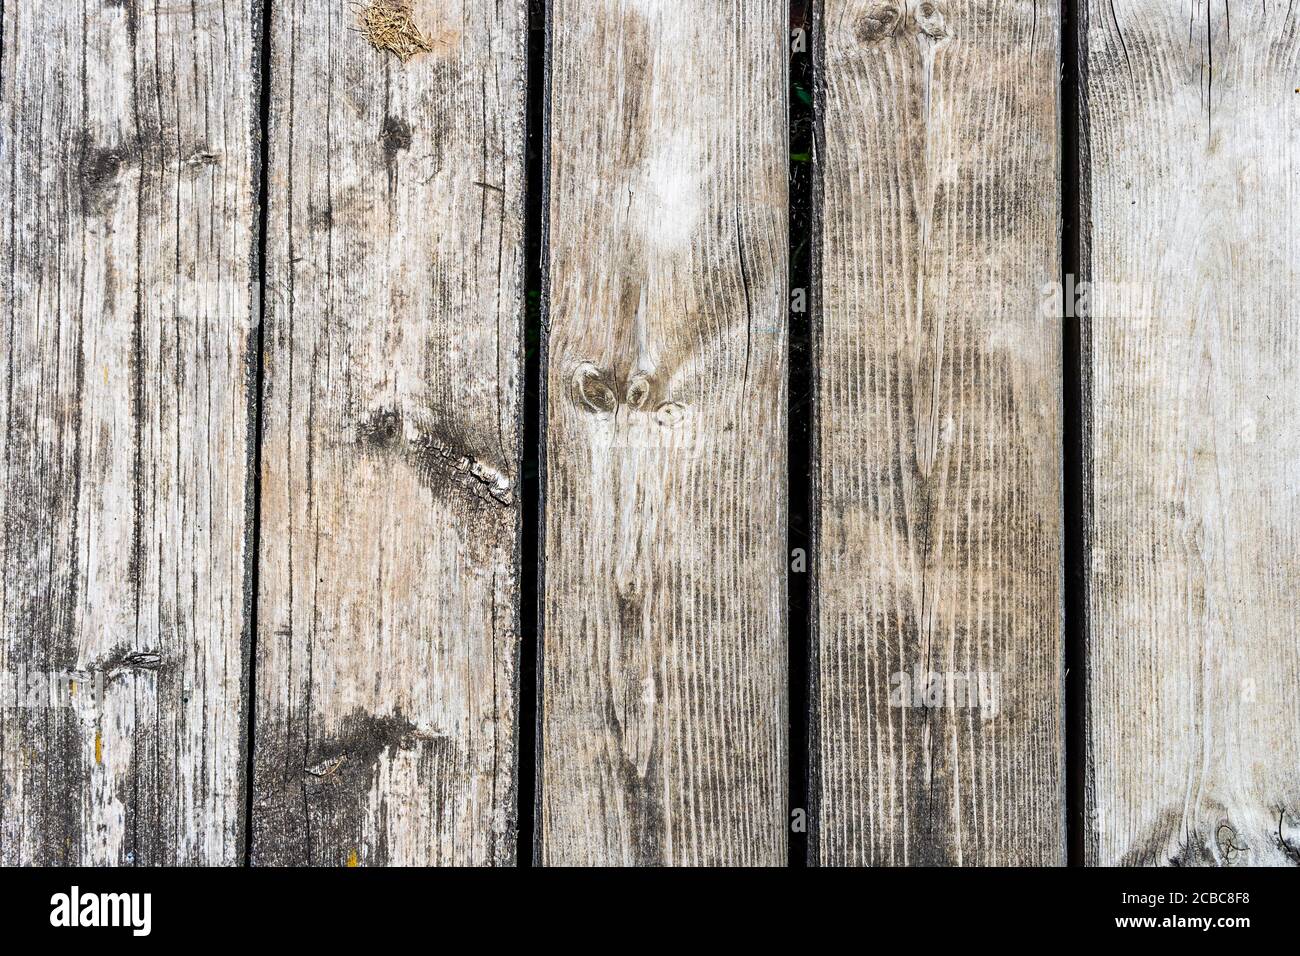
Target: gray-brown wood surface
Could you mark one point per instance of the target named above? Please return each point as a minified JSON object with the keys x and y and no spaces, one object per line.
{"x":1193,"y":731}
{"x":939,"y":654}
{"x":127,"y":294}
{"x":308,"y":560}
{"x":389,"y":578}
{"x":663,"y":667}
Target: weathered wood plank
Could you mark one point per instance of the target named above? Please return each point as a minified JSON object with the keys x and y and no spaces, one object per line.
{"x":127,"y":293}
{"x":663,"y":670}
{"x":938,"y":643}
{"x":388,"y":628}
{"x":1194,"y":507}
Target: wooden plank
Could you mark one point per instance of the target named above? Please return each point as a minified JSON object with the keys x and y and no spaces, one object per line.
{"x":939,"y":651}
{"x":127,"y":294}
{"x":663,"y":669}
{"x":388,"y":623}
{"x":1194,"y":521}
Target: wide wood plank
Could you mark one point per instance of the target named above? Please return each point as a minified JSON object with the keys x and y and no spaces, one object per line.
{"x":938,"y":632}
{"x":1194,"y":512}
{"x":389,"y":583}
{"x":126,"y":292}
{"x":663,"y":667}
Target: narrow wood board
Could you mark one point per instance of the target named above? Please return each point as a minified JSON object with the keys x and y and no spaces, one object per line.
{"x":663,"y":666}
{"x":938,"y":641}
{"x":389,"y":582}
{"x":127,"y":293}
{"x":1193,"y":719}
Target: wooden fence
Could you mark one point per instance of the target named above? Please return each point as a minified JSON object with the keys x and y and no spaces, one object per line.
{"x":299,"y":569}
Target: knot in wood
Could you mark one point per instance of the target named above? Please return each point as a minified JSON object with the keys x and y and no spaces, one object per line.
{"x":638,"y":391}
{"x":591,"y":389}
{"x":881,"y":21}
{"x":670,"y":414}
{"x":930,"y":20}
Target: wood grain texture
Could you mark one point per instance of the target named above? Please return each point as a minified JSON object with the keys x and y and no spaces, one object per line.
{"x":939,"y":437}
{"x":389,"y":583}
{"x":126,"y":293}
{"x":663,"y":670}
{"x":1194,"y":522}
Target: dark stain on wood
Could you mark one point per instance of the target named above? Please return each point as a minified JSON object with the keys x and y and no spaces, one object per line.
{"x":441,"y":465}
{"x":880,"y":21}
{"x":395,"y":137}
{"x":99,"y":169}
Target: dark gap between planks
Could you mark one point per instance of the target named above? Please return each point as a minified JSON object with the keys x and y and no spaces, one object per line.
{"x":262,"y":22}
{"x":1074,"y":550}
{"x":528,"y":847}
{"x":800,"y":426}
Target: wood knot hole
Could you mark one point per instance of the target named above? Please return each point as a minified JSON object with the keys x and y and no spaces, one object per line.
{"x":879,"y":22}
{"x":930,"y":21}
{"x":670,"y":414}
{"x":638,"y":392}
{"x":591,"y":389}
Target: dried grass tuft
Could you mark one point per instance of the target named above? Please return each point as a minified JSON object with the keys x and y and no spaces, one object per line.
{"x":389,"y":25}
